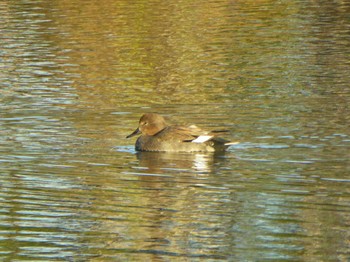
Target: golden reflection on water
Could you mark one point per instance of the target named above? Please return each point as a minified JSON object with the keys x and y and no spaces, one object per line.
{"x":176,"y":52}
{"x":187,"y":52}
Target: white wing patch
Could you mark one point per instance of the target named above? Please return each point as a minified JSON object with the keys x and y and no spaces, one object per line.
{"x":231,"y":143}
{"x":202,"y":139}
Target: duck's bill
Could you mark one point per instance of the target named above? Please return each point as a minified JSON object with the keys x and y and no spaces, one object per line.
{"x":136,"y":132}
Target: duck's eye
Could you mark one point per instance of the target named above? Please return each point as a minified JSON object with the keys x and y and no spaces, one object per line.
{"x":144,"y":124}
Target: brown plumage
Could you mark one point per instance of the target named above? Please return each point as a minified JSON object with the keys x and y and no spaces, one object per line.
{"x":157,"y":135}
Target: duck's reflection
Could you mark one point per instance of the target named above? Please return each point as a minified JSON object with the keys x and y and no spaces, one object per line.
{"x":158,"y":162}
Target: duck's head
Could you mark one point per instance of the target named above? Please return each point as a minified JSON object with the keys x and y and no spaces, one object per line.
{"x":149,"y":124}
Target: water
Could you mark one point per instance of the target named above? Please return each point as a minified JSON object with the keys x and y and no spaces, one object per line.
{"x":76,"y":77}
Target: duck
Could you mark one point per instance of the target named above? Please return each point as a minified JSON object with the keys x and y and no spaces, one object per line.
{"x":158,"y":136}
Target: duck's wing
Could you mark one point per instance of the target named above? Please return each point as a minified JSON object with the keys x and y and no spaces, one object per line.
{"x":196,"y":135}
{"x":193,"y":134}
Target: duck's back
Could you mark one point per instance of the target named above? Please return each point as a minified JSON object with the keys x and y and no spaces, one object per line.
{"x":178,"y":139}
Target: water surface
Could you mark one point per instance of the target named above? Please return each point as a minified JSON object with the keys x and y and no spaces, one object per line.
{"x":76,"y":77}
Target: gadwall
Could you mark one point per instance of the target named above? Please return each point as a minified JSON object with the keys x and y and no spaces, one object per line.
{"x":157,"y":135}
